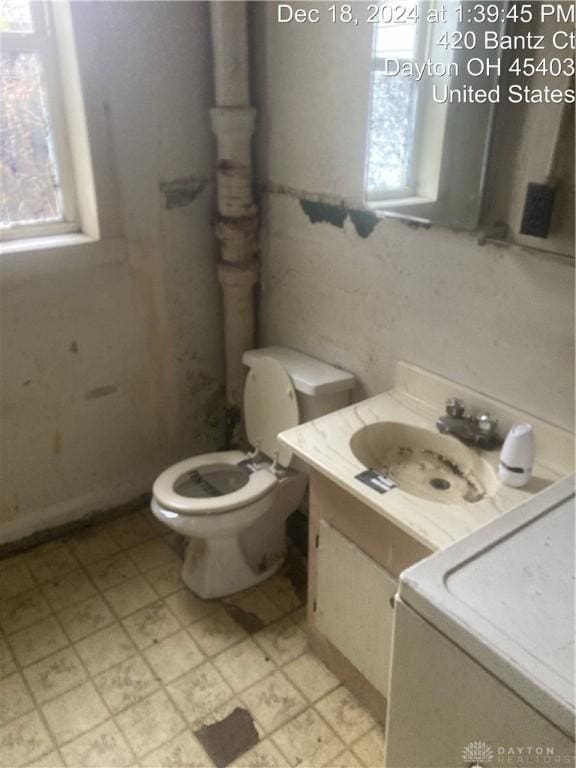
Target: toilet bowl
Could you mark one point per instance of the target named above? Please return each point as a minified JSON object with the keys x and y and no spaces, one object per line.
{"x":232,"y":506}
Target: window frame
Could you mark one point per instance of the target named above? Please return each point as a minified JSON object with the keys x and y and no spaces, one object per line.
{"x":382,"y":196}
{"x":43,"y":41}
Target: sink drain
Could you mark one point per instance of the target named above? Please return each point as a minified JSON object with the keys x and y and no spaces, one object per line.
{"x":439,"y":484}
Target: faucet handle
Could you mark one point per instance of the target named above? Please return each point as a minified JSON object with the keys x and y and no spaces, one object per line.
{"x":486,"y":423}
{"x":455,"y":407}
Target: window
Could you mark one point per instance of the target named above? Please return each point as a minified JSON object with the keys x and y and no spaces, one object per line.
{"x":36,"y":178}
{"x":393,"y":114}
{"x":406,"y":126}
{"x":426,"y":153}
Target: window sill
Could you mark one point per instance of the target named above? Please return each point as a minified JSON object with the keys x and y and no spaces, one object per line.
{"x":420,"y":210}
{"x":49,"y":242}
{"x":384,"y":204}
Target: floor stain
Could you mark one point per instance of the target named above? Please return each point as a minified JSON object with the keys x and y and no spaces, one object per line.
{"x":248,"y":621}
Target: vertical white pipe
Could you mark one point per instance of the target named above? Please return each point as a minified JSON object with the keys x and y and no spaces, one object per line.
{"x":230,"y":46}
{"x":233,"y":122}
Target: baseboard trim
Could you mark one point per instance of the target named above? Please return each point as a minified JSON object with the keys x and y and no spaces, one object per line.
{"x":27,"y":533}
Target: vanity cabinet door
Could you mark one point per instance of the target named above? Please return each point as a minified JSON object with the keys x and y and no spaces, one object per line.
{"x":354,"y":599}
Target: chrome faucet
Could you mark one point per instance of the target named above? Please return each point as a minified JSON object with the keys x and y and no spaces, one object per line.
{"x":479,"y":429}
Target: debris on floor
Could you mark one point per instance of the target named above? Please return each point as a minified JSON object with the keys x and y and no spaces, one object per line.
{"x":227,"y":739}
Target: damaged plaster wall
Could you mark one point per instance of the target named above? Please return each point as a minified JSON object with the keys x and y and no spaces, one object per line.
{"x":498,"y":318}
{"x":112,"y":350}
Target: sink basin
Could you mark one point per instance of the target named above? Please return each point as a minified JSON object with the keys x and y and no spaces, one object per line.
{"x":423,"y":463}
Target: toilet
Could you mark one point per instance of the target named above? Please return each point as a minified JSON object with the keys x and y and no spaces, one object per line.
{"x":232,"y":506}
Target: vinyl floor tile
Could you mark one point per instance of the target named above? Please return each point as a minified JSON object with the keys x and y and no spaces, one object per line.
{"x":54,"y":675}
{"x":23,"y":740}
{"x":103,"y":746}
{"x":108,"y":661}
{"x":75,"y":712}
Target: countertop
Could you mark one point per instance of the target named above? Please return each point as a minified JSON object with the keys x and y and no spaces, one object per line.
{"x":418,"y":399}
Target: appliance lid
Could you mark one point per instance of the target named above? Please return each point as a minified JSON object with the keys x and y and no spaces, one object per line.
{"x":270,"y":407}
{"x":505,"y":595}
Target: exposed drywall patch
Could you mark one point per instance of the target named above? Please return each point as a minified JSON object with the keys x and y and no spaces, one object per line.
{"x":97,"y":392}
{"x":324,"y":212}
{"x":227,"y":739}
{"x":336,"y":214}
{"x":179,"y":193}
{"x":364,"y":222}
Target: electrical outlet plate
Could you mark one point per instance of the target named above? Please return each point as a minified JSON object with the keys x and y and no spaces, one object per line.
{"x":538,"y":209}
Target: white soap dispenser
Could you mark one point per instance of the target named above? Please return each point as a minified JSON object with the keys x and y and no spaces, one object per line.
{"x":517,"y":456}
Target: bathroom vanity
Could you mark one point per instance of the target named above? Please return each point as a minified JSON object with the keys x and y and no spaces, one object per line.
{"x":355,"y":558}
{"x":386,"y":491}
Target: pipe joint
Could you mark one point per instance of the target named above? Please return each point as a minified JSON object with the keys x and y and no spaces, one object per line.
{"x":238,"y":239}
{"x":238,"y":275}
{"x":237,"y":228}
{"x":235,"y":199}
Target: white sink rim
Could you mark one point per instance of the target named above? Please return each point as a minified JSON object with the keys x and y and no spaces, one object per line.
{"x":382,"y":444}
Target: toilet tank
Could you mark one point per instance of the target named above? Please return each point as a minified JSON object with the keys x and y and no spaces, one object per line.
{"x":321,"y":388}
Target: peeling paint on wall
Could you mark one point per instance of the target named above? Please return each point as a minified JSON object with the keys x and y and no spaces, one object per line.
{"x":180,"y":193}
{"x":321,"y":207}
{"x":324,"y":212}
{"x":415,"y":224}
{"x":336,"y":214}
{"x":364,"y":222}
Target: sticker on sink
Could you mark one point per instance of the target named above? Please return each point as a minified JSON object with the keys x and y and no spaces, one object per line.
{"x":375,"y":480}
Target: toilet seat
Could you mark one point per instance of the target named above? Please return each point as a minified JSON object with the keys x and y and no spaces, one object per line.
{"x":258,"y":483}
{"x":270,"y":406}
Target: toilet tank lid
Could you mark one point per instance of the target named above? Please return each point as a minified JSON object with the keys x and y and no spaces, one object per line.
{"x":309,"y":376}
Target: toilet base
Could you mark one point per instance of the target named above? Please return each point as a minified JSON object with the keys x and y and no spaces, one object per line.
{"x":217,"y":567}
